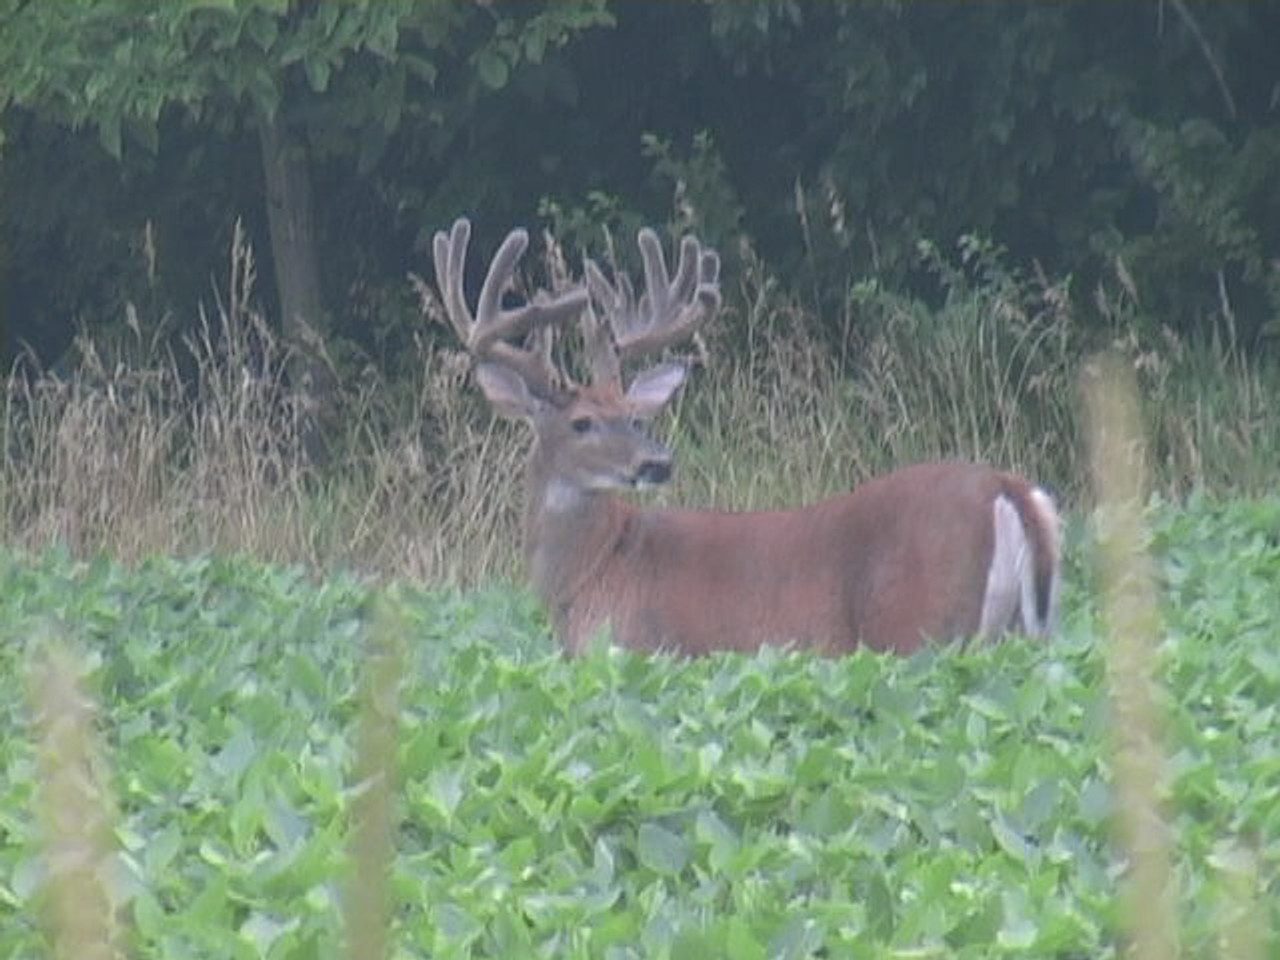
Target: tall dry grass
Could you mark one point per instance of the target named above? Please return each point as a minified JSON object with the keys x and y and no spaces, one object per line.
{"x":792,"y":416}
{"x":200,"y":447}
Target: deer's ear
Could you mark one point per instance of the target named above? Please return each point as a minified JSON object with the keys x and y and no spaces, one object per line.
{"x":651,"y":390}
{"x":507,"y":392}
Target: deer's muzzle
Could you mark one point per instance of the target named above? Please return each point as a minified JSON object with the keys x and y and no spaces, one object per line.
{"x":653,"y":472}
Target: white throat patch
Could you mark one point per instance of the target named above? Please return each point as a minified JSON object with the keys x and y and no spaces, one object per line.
{"x":560,"y":497}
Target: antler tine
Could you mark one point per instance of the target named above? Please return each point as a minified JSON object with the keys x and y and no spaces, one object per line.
{"x":488,"y":335}
{"x":658,"y":290}
{"x":616,"y":301}
{"x":494,"y":324}
{"x":449,"y":252}
{"x":602,"y":358}
{"x":669,"y":310}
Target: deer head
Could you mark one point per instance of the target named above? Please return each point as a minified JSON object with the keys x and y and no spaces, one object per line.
{"x":590,"y":437}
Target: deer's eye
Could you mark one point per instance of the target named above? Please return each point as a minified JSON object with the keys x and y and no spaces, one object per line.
{"x":581,"y":424}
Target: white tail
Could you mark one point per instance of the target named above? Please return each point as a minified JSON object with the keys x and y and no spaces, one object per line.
{"x":933,"y":551}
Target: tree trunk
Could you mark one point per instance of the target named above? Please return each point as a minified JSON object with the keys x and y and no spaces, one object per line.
{"x":289,"y":216}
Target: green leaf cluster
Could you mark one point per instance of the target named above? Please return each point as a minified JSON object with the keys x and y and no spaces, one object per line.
{"x":953,"y":804}
{"x":121,"y":64}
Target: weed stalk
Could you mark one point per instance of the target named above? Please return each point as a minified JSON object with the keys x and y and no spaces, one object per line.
{"x":76,"y":811}
{"x":1119,"y":460}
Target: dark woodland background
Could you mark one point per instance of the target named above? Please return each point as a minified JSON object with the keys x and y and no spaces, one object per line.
{"x":837,"y":143}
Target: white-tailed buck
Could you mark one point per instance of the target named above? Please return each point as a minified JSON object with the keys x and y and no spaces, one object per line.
{"x":934,"y":551}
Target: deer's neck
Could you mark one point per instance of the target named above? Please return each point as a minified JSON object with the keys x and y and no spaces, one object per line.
{"x":569,"y":535}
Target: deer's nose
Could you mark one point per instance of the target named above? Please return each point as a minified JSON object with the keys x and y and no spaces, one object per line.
{"x":654,"y":471}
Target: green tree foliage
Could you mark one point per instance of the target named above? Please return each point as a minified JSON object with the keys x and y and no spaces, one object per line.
{"x":118,"y":65}
{"x":1073,"y":133}
{"x":1102,"y":141}
{"x":330,"y":79}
